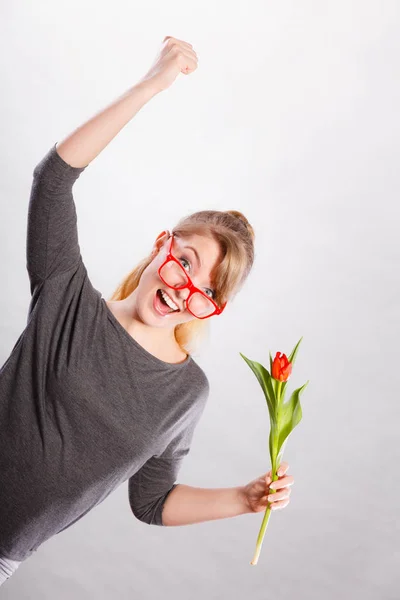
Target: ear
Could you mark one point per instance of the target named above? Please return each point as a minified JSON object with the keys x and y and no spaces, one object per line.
{"x":160,"y":241}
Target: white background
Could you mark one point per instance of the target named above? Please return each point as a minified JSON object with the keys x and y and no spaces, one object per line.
{"x":292,"y":117}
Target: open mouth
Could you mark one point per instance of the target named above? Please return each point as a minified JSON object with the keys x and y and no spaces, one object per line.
{"x":162,"y":304}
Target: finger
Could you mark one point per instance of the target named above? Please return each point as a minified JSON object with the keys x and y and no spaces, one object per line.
{"x":268,"y":478}
{"x":170,"y":37}
{"x":281,"y":471}
{"x":279,"y":495}
{"x":190,"y":56}
{"x":187,"y":63}
{"x":280,"y":483}
{"x":283,"y":467}
{"x":280,"y":505}
{"x":186,"y":44}
{"x":184,"y":49}
{"x":174,"y":44}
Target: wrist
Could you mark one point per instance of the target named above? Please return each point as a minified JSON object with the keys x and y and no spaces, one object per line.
{"x":149,"y":86}
{"x":241,"y":491}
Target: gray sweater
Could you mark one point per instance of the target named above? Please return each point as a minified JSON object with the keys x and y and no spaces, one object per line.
{"x":83,"y":407}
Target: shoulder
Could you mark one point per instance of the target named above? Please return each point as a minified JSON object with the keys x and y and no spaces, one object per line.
{"x":199,"y":378}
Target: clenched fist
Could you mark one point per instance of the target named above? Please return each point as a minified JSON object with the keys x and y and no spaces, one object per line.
{"x":174,"y":57}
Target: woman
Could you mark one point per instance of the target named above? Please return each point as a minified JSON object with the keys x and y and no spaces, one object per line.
{"x":96,"y":392}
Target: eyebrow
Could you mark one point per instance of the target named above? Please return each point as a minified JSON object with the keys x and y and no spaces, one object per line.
{"x":196,"y":253}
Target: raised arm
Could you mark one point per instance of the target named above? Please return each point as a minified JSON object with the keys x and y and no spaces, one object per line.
{"x":86,"y":142}
{"x":52,"y":235}
{"x":80,"y":147}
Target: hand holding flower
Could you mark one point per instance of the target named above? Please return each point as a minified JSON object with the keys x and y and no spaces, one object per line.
{"x":260,"y":493}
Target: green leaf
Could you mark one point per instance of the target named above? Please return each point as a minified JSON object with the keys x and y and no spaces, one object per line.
{"x":292,"y":356}
{"x":279,"y":455}
{"x":290,"y":415}
{"x":265,"y":380}
{"x":273,"y":437}
{"x":284,"y":416}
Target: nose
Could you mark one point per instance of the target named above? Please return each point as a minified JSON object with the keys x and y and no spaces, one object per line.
{"x":183,"y":294}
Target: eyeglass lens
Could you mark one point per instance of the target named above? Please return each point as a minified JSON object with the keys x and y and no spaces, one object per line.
{"x":174,"y":276}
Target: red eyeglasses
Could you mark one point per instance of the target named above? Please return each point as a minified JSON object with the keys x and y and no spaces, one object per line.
{"x":175,"y":276}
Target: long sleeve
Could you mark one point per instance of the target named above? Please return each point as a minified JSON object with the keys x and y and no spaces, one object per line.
{"x":149,"y":487}
{"x":52,"y":236}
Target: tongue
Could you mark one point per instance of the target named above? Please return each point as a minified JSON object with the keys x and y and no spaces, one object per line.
{"x":163,"y":308}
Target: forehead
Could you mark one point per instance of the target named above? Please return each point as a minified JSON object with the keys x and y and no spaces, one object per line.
{"x":207,"y":248}
{"x":199,"y":242}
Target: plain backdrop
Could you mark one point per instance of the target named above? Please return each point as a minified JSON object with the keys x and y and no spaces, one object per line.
{"x":292,"y":117}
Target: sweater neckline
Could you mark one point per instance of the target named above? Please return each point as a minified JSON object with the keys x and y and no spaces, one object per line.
{"x":137,"y":346}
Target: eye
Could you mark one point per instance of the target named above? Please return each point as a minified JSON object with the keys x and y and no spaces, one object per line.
{"x":211,"y":294}
{"x":186,"y":261}
{"x":207,"y":291}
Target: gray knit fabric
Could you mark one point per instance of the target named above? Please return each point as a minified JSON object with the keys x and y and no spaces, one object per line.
{"x":83,"y":407}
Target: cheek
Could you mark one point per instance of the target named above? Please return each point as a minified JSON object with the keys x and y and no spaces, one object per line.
{"x":149,"y":277}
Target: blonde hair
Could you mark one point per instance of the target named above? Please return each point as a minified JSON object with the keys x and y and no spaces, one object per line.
{"x":235,"y":236}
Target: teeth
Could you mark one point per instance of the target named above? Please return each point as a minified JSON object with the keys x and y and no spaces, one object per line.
{"x":169,"y":301}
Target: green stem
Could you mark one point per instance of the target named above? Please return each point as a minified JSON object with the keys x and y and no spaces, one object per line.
{"x":264,"y":525}
{"x":261,"y":537}
{"x":278,"y":392}
{"x":267,"y":513}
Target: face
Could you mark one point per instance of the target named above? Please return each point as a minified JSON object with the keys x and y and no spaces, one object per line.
{"x":198,"y":268}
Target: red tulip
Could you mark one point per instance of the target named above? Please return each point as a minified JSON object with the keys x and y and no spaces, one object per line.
{"x":281,"y":367}
{"x":284,"y":416}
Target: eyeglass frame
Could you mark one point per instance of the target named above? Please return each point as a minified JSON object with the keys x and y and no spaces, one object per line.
{"x":192,"y":288}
